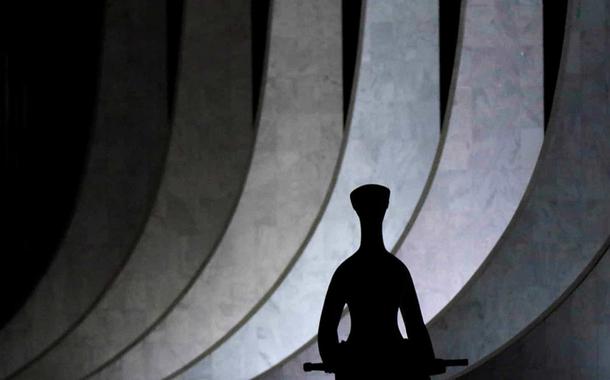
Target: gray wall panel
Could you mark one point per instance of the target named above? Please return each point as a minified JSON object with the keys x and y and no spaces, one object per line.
{"x":296,"y":151}
{"x":573,"y":342}
{"x":129,"y":142}
{"x":210,"y":150}
{"x":565,"y":217}
{"x":487,"y":158}
{"x":392,"y":139}
{"x":493,"y":141}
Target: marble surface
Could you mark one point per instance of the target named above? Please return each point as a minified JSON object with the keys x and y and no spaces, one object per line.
{"x":128,"y":145}
{"x":391,"y":140}
{"x":296,"y":151}
{"x":563,"y":221}
{"x":210,"y":150}
{"x":487,"y":159}
{"x":572,"y":342}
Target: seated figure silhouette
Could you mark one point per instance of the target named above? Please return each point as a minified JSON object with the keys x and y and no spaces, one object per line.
{"x":375,"y":285}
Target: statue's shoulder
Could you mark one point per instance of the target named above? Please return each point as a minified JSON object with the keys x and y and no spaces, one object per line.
{"x":347,"y":265}
{"x":350,"y":267}
{"x":397,"y":263}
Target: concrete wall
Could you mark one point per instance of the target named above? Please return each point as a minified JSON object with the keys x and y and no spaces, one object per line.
{"x":241,"y":316}
{"x":207,"y":163}
{"x":564,"y":218}
{"x":486,"y":160}
{"x":296,"y":150}
{"x":391,"y":140}
{"x":493,"y":140}
{"x":127,"y":152}
{"x":573,"y":342}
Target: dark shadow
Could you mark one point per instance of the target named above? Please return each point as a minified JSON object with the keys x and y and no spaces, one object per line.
{"x":49,"y":74}
{"x":175,"y":17}
{"x":259,"y":13}
{"x":449,"y":25}
{"x":350,"y":29}
{"x":554,"y":20}
{"x":375,"y":286}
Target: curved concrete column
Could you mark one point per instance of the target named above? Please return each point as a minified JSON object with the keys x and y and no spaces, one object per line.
{"x":564,"y":218}
{"x":493,"y":140}
{"x":296,"y":151}
{"x":487,"y":157}
{"x":572,"y":341}
{"x":392,"y":140}
{"x":207,"y":162}
{"x":128,"y":146}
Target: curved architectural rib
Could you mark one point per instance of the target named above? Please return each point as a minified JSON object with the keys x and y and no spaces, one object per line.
{"x":564,"y":218}
{"x":392,"y":140}
{"x":296,"y":150}
{"x":487,"y":159}
{"x":570,"y":341}
{"x":128,"y":146}
{"x":493,"y":140}
{"x":206,"y":167}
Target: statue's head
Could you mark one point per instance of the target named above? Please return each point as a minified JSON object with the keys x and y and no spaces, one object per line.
{"x":370,"y":201}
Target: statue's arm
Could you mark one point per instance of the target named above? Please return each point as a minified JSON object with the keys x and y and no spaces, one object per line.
{"x":414,"y":323}
{"x":328,"y":339}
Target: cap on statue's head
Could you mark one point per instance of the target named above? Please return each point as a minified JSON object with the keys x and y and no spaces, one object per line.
{"x":370,"y":197}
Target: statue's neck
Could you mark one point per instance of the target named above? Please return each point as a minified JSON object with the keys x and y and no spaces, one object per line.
{"x":371,"y":236}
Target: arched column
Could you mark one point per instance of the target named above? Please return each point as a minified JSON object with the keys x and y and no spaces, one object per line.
{"x":485,"y":162}
{"x":209,"y":153}
{"x":121,"y":176}
{"x":296,"y":151}
{"x":564,"y":219}
{"x":392,"y":136}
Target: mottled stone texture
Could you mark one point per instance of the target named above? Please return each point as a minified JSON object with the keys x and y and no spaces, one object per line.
{"x":487,"y":158}
{"x":128,"y":146}
{"x":207,"y":162}
{"x":392,"y":139}
{"x":564,"y":219}
{"x":492,"y":144}
{"x":573,"y":342}
{"x":296,"y":151}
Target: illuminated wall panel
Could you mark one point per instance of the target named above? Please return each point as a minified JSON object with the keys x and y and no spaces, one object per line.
{"x":493,"y":141}
{"x":563,"y":221}
{"x":391,"y":140}
{"x":491,"y":145}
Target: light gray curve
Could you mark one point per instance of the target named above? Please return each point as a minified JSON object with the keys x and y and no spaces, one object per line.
{"x":486,"y":160}
{"x":493,"y":142}
{"x":121,"y":175}
{"x":207,"y":163}
{"x":564,"y":218}
{"x":296,"y":150}
{"x":392,"y":140}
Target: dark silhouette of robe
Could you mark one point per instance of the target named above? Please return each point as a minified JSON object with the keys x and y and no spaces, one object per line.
{"x":375,"y":286}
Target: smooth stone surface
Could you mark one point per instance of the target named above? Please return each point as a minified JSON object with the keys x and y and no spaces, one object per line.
{"x":208,"y":158}
{"x":392,"y":140}
{"x":296,"y":151}
{"x":564,"y":219}
{"x":487,"y":158}
{"x":128,"y":145}
{"x":573,"y":342}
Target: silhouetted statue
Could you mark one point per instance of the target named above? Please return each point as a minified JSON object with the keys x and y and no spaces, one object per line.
{"x":375,"y":285}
